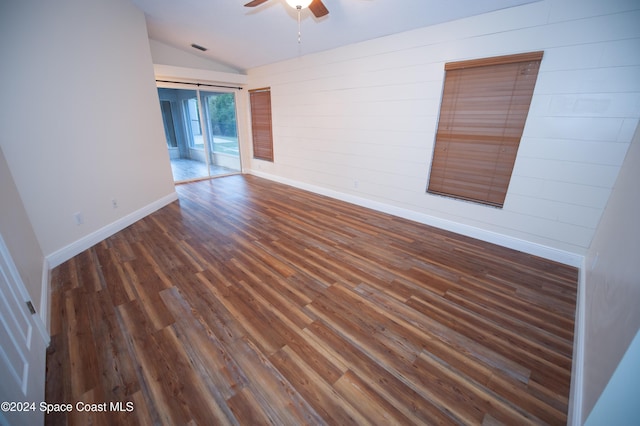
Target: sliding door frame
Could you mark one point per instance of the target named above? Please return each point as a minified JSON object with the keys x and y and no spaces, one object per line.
{"x":198,"y":87}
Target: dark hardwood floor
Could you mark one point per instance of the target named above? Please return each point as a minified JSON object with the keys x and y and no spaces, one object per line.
{"x":250,"y":302}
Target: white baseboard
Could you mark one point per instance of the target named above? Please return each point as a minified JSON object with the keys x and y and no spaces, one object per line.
{"x":65,"y":253}
{"x":535,"y":249}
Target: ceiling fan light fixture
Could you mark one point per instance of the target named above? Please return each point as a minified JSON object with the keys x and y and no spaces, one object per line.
{"x":299,"y":4}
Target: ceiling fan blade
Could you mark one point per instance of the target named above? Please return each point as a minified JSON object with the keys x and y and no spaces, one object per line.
{"x":318,"y":8}
{"x":255,"y":3}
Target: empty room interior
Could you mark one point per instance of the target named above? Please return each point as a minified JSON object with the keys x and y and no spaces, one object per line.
{"x":320,"y":212}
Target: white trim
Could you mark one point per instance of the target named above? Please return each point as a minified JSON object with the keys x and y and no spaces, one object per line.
{"x":42,"y":328}
{"x":535,"y":249}
{"x":576,"y":394}
{"x":45,"y":299}
{"x":197,"y":75}
{"x":65,"y":253}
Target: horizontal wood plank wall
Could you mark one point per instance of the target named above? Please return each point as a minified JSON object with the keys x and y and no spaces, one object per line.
{"x":251,"y":302}
{"x":361,"y":119}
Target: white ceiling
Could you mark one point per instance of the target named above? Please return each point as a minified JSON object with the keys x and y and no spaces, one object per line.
{"x":244,"y":38}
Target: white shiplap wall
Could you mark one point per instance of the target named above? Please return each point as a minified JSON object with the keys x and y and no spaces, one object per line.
{"x":359,"y":122}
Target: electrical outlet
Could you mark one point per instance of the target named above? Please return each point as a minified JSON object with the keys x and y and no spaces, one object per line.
{"x":355,"y":184}
{"x":114,"y":203}
{"x":78,"y":218}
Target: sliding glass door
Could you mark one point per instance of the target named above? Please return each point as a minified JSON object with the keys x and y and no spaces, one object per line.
{"x":219,"y":111}
{"x":201,"y":132}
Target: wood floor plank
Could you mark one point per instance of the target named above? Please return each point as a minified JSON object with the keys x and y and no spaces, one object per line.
{"x":278,"y":397}
{"x":412,"y":403}
{"x":246,"y":409}
{"x":263,"y":288}
{"x":114,"y":276}
{"x":467,"y":401}
{"x":373,"y":406}
{"x":252,"y":302}
{"x":322,"y":396}
{"x":463,"y":353}
{"x":472,"y":324}
{"x":80,"y":343}
{"x":118,"y":379}
{"x":210,"y":357}
{"x":156,"y":376}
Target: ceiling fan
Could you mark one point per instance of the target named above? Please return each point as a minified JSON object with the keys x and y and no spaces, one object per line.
{"x":315,"y":6}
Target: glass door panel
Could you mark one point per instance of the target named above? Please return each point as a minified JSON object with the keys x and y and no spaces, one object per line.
{"x":219,"y":112}
{"x":183,"y":130}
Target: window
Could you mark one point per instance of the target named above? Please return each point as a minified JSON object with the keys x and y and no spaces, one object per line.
{"x":484,"y":107}
{"x":261,"y":123}
{"x":193,"y":119}
{"x":220,"y":111}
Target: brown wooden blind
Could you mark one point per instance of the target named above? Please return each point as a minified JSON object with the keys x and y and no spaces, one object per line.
{"x":484,"y":107}
{"x":260,"y":100}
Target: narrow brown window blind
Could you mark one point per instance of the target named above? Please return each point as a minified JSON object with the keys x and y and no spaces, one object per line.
{"x":484,"y":107}
{"x":260,"y":100}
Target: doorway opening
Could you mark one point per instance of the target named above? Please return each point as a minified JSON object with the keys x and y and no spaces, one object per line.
{"x":201,"y":133}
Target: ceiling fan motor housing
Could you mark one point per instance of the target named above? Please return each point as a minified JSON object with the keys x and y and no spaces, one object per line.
{"x":316,"y":6}
{"x":299,"y":4}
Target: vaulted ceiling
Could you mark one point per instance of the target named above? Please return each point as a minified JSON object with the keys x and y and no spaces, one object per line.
{"x":244,"y":38}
